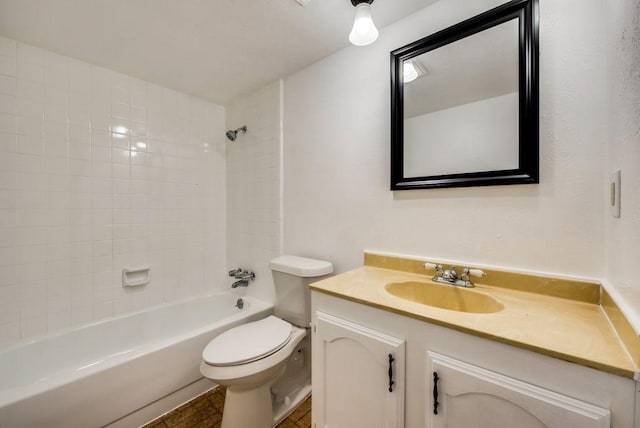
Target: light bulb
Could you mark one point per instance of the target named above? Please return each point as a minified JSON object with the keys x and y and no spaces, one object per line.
{"x":364,"y":31}
{"x":409,"y":72}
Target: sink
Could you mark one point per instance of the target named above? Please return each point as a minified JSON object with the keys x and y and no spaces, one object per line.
{"x":443,"y":296}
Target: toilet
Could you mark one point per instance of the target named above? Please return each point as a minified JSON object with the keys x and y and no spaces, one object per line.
{"x":266,"y":364}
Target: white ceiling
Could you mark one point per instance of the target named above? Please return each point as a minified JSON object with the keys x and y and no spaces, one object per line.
{"x":213,"y":49}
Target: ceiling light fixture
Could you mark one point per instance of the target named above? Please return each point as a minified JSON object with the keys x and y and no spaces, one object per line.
{"x":364,"y":31}
{"x":413,"y":69}
{"x":409,"y":72}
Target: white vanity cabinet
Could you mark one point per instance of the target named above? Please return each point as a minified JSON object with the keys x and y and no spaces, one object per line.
{"x":358,"y":375}
{"x":482,"y":383}
{"x":465,"y":395}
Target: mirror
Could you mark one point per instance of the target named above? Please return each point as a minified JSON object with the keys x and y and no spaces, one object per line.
{"x":464,"y":103}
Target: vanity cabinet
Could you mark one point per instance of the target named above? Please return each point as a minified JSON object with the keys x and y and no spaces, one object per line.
{"x":465,"y":395}
{"x":358,"y":375}
{"x":482,"y":383}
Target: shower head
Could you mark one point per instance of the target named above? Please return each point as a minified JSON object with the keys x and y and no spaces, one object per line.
{"x":232,"y":135}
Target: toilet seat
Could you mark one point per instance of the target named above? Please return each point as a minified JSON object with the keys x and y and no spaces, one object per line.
{"x":248,"y":342}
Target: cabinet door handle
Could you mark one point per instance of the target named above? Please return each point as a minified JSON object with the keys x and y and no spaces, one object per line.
{"x":391,"y":382}
{"x":435,"y":392}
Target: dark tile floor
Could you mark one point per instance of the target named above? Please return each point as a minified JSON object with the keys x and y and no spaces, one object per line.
{"x":205,"y":411}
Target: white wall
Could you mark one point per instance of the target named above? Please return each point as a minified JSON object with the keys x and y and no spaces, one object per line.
{"x":99,"y":171}
{"x":623,"y":145}
{"x":254,"y":195}
{"x":472,"y":137}
{"x":336,"y":158}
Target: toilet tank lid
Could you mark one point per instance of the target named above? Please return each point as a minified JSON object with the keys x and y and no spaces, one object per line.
{"x":301,"y":266}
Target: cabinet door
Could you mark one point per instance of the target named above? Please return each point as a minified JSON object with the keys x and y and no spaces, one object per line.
{"x":352,"y":369}
{"x":469,"y":396}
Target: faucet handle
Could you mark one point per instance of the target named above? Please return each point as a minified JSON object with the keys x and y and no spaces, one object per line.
{"x":438,"y":268}
{"x":468,"y":273}
{"x":235,"y":272}
{"x":478,"y":273}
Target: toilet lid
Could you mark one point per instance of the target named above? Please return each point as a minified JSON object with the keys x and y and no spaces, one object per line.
{"x":247,"y":342}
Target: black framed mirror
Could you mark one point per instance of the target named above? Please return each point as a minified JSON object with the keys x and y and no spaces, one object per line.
{"x":464,"y":103}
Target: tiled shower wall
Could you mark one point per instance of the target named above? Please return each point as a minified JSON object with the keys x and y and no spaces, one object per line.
{"x":101,"y":171}
{"x":254,"y":183}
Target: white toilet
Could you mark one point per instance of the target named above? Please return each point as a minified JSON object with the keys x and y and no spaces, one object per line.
{"x":251,"y":359}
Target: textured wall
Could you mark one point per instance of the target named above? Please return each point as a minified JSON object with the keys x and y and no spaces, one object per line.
{"x":99,"y":171}
{"x":480,"y":137}
{"x":254,"y":183}
{"x":623,"y":86}
{"x":336,"y":158}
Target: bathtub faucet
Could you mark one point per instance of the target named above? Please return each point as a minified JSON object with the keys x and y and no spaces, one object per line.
{"x":243,"y":276}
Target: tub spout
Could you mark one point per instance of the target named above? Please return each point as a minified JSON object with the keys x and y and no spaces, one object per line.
{"x":240,"y":283}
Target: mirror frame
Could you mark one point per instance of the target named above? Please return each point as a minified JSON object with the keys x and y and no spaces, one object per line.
{"x":526,"y":11}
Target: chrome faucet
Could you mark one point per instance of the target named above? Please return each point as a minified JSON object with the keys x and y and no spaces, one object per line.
{"x":450,"y":276}
{"x":243,"y":277}
{"x":240,"y":283}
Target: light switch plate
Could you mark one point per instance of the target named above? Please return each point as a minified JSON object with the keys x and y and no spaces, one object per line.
{"x":614,"y":194}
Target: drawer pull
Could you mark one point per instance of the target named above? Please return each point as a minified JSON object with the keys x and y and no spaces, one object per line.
{"x":391,"y":382}
{"x":435,"y":392}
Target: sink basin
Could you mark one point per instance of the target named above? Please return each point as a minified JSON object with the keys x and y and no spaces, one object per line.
{"x":443,"y":296}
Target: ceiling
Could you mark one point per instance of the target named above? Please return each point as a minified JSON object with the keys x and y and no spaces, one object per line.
{"x":213,"y":49}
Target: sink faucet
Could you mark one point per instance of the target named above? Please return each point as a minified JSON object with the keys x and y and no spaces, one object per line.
{"x":243,"y":277}
{"x":450,"y":276}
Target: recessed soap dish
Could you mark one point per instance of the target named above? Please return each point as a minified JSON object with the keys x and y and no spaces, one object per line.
{"x":135,"y":277}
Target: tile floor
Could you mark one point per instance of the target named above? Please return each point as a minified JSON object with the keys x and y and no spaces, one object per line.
{"x":205,"y":411}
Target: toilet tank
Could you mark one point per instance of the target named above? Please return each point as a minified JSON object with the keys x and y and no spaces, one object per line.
{"x":292,"y":276}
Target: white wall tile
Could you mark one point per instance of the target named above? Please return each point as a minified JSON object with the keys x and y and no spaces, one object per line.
{"x":8,"y":123}
{"x":56,"y":71}
{"x":79,"y":77}
{"x":30,"y":89}
{"x":8,"y":142}
{"x":8,"y":275}
{"x":8,"y":104}
{"x":30,"y":63}
{"x":32,"y":327}
{"x":8,"y":85}
{"x":32,"y":126}
{"x":30,"y":145}
{"x":9,"y":333}
{"x":56,"y":105}
{"x":7,"y":65}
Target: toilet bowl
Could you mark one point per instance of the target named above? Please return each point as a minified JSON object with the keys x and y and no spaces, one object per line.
{"x":249,"y":359}
{"x":249,"y":367}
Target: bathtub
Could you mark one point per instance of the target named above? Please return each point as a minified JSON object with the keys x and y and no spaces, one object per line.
{"x":97,"y":374}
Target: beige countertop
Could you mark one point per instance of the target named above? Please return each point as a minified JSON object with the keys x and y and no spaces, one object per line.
{"x":568,"y":329}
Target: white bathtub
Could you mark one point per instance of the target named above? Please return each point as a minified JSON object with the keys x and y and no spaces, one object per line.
{"x":93,"y":375}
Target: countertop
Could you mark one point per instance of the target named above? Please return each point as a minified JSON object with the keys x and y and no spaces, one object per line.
{"x":568,"y":329}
